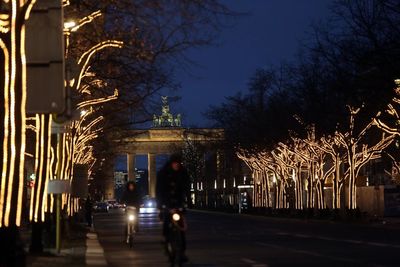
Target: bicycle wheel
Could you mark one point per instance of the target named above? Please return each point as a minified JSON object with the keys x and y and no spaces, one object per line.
{"x":131,"y":241}
{"x":175,"y":247}
{"x":130,"y":236}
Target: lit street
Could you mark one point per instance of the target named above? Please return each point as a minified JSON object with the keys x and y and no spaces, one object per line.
{"x":216,"y":239}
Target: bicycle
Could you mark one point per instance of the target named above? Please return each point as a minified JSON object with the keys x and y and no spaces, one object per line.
{"x":131,"y":216}
{"x":175,"y":237}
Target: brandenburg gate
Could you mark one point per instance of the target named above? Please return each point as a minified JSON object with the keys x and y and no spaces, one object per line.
{"x":165,"y":137}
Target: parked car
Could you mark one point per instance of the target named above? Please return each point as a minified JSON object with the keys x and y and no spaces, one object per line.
{"x":112,"y":204}
{"x":119,"y":206}
{"x":101,"y":207}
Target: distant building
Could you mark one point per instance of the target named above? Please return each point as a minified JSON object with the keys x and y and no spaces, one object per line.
{"x":120,"y":178}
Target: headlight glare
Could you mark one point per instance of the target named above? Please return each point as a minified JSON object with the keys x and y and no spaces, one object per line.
{"x":176,"y":217}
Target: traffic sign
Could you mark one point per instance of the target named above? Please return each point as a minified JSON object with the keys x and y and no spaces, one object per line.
{"x":45,"y":58}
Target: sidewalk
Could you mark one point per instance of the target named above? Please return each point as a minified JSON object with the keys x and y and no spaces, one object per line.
{"x":67,"y":257}
{"x":84,"y":252}
{"x":80,"y":248}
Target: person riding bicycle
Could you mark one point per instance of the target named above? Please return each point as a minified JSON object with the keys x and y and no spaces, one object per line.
{"x":131,"y":198}
{"x":172,"y":191}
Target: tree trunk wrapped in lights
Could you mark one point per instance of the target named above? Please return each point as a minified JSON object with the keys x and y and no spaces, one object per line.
{"x":12,"y":43}
{"x":314,"y":157}
{"x":337,"y":154}
{"x":42,"y":168}
{"x":74,"y":147}
{"x":13,"y":16}
{"x":273,"y":184}
{"x":287,"y":167}
{"x":359,"y":152}
{"x":320,"y":159}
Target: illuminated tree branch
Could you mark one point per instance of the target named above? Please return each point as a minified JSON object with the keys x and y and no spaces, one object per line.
{"x":98,"y":101}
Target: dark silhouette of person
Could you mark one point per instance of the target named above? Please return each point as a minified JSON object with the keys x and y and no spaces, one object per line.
{"x":131,"y":198}
{"x":172,"y":192}
{"x":88,"y":211}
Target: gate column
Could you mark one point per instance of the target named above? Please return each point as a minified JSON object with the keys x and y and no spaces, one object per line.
{"x":131,"y":158}
{"x":152,"y":174}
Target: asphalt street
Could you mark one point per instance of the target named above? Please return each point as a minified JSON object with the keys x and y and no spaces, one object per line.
{"x":217,"y":239}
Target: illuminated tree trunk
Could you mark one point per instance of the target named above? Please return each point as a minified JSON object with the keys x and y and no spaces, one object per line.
{"x":276,"y":195}
{"x":319,"y":188}
{"x":13,"y":81}
{"x":255,"y":190}
{"x":267,"y":189}
{"x":310,"y":192}
{"x":258,"y":199}
{"x":42,"y":173}
{"x":279,"y":194}
{"x":264,"y":191}
{"x":12,"y":129}
{"x":352,"y":202}
{"x":299,"y":187}
{"x":42,"y":168}
{"x":282,"y":196}
{"x":336,"y":187}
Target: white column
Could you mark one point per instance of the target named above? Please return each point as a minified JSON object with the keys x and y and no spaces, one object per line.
{"x":152,"y":174}
{"x":131,"y":160}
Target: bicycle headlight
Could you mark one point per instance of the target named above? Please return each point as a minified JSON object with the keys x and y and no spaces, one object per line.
{"x":131,"y":217}
{"x":176,"y":217}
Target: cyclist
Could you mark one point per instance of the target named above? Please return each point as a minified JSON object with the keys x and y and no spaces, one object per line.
{"x":131,"y":198}
{"x":173,"y":189}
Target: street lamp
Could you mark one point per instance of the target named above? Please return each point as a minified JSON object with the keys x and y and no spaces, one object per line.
{"x":68,"y":25}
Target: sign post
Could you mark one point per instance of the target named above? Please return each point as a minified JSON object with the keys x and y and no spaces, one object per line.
{"x":58,"y":187}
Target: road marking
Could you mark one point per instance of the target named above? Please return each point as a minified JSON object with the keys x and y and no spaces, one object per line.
{"x":303,"y":236}
{"x":253,"y":263}
{"x":248,"y":261}
{"x":307,"y":252}
{"x":351,"y":241}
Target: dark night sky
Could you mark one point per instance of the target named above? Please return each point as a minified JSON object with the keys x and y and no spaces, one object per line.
{"x":268,"y":35}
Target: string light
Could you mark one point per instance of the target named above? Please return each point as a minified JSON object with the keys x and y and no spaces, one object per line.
{"x":12,"y":179}
{"x":75,"y":147}
{"x":98,"y":100}
{"x":321,"y":159}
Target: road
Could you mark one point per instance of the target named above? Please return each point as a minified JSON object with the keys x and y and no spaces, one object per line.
{"x":216,"y":239}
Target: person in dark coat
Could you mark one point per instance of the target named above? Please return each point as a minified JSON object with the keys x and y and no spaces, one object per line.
{"x":131,"y":195}
{"x":172,"y":191}
{"x":131,"y":198}
{"x":88,"y":211}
